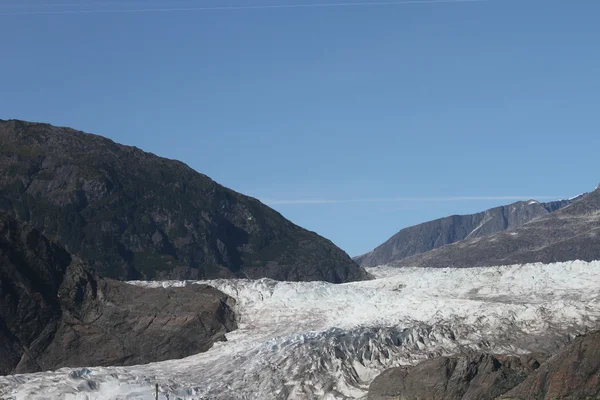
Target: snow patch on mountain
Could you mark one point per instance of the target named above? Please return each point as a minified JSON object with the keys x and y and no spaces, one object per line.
{"x":305,"y":340}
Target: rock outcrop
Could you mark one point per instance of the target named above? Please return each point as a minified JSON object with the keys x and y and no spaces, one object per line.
{"x":55,"y":313}
{"x":132,"y":215}
{"x":571,"y":374}
{"x":468,"y":377}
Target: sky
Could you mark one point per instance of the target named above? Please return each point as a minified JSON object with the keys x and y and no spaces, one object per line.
{"x":352,"y":120}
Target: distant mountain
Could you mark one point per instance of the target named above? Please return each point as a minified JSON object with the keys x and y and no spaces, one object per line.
{"x":132,"y":215}
{"x":570,"y":233}
{"x":55,"y":313}
{"x":443,"y":231}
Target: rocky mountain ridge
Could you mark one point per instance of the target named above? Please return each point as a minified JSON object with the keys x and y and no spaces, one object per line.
{"x":132,"y":215}
{"x":570,"y":233}
{"x":430,"y":235}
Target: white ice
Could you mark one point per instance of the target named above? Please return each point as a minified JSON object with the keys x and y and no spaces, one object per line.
{"x":305,"y":340}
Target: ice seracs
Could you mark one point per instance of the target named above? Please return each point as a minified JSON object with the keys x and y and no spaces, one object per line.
{"x":324,"y":341}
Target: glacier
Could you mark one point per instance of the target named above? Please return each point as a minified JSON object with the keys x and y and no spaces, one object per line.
{"x":315,"y":340}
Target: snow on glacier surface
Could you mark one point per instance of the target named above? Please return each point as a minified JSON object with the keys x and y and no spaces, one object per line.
{"x":315,"y":340}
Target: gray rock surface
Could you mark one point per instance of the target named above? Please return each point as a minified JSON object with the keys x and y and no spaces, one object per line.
{"x":443,"y":231}
{"x":570,"y":233}
{"x":54,"y":313}
{"x":467,"y":377}
{"x":132,"y":215}
{"x":571,"y":374}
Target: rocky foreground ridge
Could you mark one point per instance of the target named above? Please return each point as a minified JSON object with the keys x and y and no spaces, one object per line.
{"x":468,"y":377}
{"x":572,"y":373}
{"x":55,"y":313}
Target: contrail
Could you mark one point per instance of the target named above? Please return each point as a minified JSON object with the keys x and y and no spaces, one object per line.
{"x":234,"y":8}
{"x":403,"y":199}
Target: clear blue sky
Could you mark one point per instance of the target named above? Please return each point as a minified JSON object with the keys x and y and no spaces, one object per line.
{"x":352,"y":121}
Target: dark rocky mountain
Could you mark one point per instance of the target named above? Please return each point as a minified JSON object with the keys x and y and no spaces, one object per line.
{"x":467,"y":377}
{"x":133,"y":215}
{"x":443,"y":231}
{"x":571,"y":374}
{"x":570,"y":233}
{"x":54,"y":313}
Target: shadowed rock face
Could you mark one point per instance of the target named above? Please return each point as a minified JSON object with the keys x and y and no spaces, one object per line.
{"x":441,"y":232}
{"x":133,"y":215}
{"x":573,"y":373}
{"x":54,"y":313}
{"x":472,"y":377}
{"x":570,"y":233}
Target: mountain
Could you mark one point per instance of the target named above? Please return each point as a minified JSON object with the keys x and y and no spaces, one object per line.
{"x":55,"y":313}
{"x":443,"y":231}
{"x":570,"y":233}
{"x":132,"y":215}
{"x":466,"y":377}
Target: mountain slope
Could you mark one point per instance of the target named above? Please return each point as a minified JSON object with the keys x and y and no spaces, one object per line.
{"x":134,"y":215}
{"x":54,"y":313}
{"x":443,"y":231}
{"x":571,"y":233}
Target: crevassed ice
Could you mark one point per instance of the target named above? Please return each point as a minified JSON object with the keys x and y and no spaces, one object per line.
{"x":315,"y":340}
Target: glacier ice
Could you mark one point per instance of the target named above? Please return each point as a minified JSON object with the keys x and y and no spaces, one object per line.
{"x":315,"y":340}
